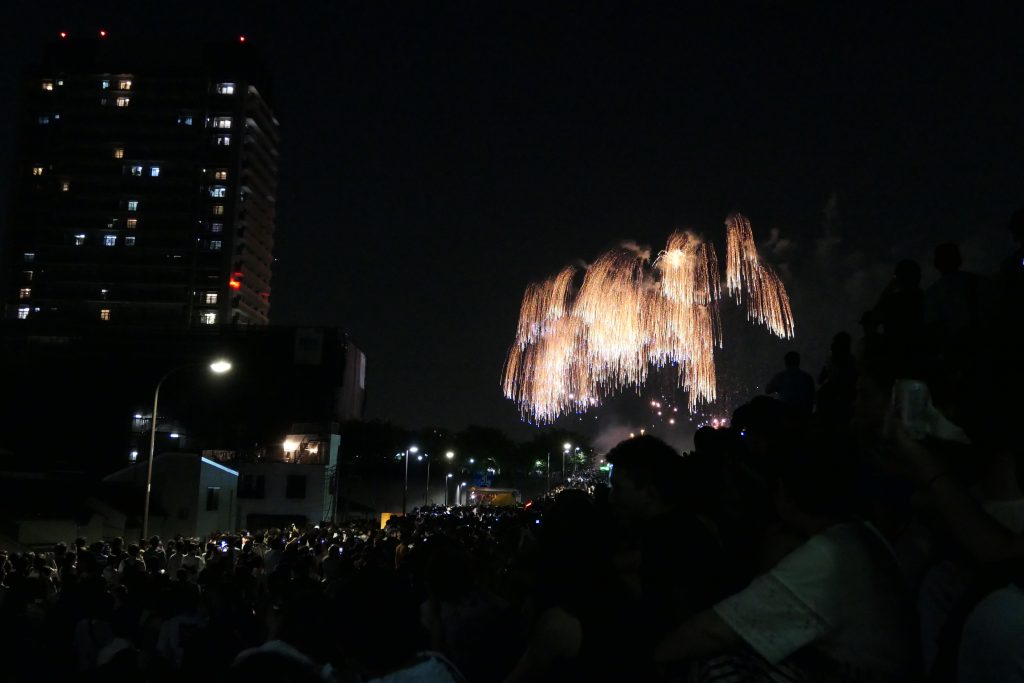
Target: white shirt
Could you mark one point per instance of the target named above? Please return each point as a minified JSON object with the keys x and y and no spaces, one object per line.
{"x":841,"y":594}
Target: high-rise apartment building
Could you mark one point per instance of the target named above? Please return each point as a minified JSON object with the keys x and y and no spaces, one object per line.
{"x":145,"y":187}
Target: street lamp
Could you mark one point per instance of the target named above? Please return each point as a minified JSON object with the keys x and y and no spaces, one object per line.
{"x":405,"y":489}
{"x":218,"y":367}
{"x":565,"y":451}
{"x":426,"y":489}
{"x":449,"y":476}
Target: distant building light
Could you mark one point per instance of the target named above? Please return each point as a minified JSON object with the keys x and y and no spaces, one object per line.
{"x":208,"y":317}
{"x":104,"y":314}
{"x":241,"y":39}
{"x":79,"y":240}
{"x":174,"y":435}
{"x":63,"y":34}
{"x":48,"y":85}
{"x":119,"y":152}
{"x":37,"y":170}
{"x":133,"y":456}
{"x":124,"y":85}
{"x":103,"y":33}
{"x":137,"y":416}
{"x":154,"y":171}
{"x":129,"y":241}
{"x":225,"y":88}
{"x":104,"y":84}
{"x":23,"y":312}
{"x":123,"y":101}
{"x":136,"y":170}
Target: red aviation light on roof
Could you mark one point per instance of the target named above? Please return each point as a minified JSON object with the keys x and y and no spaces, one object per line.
{"x":241,"y":39}
{"x":63,"y":35}
{"x":103,"y":33}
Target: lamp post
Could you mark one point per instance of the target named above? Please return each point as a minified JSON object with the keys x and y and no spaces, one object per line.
{"x":218,"y":367}
{"x":549,"y":471}
{"x":565,"y":451}
{"x":449,"y":456}
{"x":426,"y":489}
{"x":405,"y":489}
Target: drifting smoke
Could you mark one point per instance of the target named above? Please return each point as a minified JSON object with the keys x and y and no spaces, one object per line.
{"x":573,"y":350}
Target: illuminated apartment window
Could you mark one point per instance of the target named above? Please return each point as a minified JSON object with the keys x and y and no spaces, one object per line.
{"x":222,"y":122}
{"x":133,"y":456}
{"x":44,"y":120}
{"x":65,"y":186}
{"x":220,"y":174}
{"x":28,"y":275}
{"x":104,"y":314}
{"x":133,"y":204}
{"x":218,"y":191}
{"x":104,"y":293}
{"x":119,"y":152}
{"x":124,"y":84}
{"x":216,"y":227}
{"x":60,"y":81}
{"x":129,"y":241}
{"x":123,"y":101}
{"x":25,"y":293}
{"x":37,"y":170}
{"x":28,"y":257}
{"x":225,"y":88}
{"x":222,"y":140}
{"x":110,"y":240}
{"x":210,"y":298}
{"x":215,"y":245}
{"x":185,"y":120}
{"x":208,"y":317}
{"x":23,"y":312}
{"x":47,"y":85}
{"x":154,"y":171}
{"x":136,"y":170}
{"x":79,"y":240}
{"x":132,"y":223}
{"x":218,"y":209}
{"x":104,"y":84}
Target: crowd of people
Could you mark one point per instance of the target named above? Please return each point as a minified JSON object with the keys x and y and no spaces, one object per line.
{"x":831,"y":533}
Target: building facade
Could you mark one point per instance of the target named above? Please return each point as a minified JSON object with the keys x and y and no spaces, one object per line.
{"x":145,"y":187}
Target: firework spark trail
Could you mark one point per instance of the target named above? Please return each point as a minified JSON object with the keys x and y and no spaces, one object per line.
{"x":628,"y":315}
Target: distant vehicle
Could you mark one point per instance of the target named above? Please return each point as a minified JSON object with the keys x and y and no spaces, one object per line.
{"x":491,"y":497}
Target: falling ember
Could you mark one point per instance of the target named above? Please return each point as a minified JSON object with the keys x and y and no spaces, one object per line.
{"x":628,"y":314}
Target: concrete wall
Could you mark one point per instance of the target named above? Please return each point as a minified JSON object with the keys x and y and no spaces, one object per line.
{"x":216,"y":476}
{"x":313,"y":507}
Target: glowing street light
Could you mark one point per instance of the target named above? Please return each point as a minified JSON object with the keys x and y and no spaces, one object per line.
{"x":405,"y":489}
{"x":218,"y":367}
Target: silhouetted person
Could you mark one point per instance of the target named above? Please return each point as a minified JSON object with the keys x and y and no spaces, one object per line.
{"x":838,"y":380}
{"x":793,"y":386}
{"x":900,"y":314}
{"x":952,"y":303}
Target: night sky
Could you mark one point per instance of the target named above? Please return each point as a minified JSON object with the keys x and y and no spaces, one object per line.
{"x":437,"y":157}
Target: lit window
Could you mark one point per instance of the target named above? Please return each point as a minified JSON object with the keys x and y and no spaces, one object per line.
{"x":225,"y":88}
{"x":133,"y":456}
{"x":215,"y":245}
{"x":37,"y":170}
{"x":65,"y":186}
{"x":218,"y":209}
{"x":137,"y":170}
{"x":133,"y":204}
{"x":210,"y":298}
{"x":25,"y":293}
{"x":132,"y":223}
{"x":129,"y":241}
{"x":123,"y":101}
{"x":222,"y":122}
{"x":79,"y":240}
{"x":208,"y":317}
{"x":154,"y":171}
{"x":104,"y":314}
{"x":60,"y":81}
{"x":29,"y":257}
{"x":103,"y":294}
{"x":28,"y":275}
{"x":119,"y":152}
{"x":23,"y":312}
{"x":218,"y":191}
{"x":110,"y":240}
{"x":220,"y":175}
{"x":222,"y":140}
{"x":216,"y":227}
{"x":124,"y":85}
{"x":47,"y":85}
{"x":43,"y":120}
{"x":104,"y":84}
{"x":185,"y":120}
